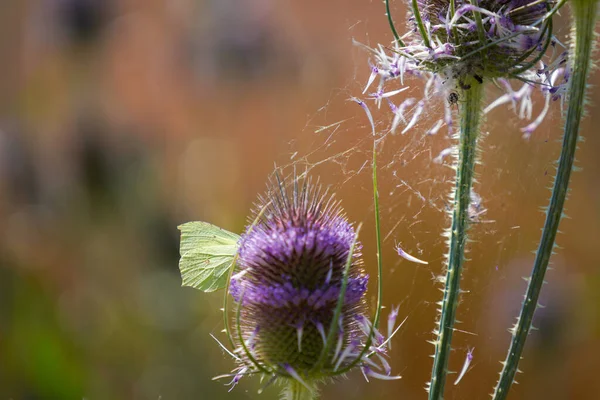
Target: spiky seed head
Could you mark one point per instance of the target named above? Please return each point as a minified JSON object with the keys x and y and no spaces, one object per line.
{"x":478,"y":40}
{"x":456,"y":45}
{"x":291,"y":267}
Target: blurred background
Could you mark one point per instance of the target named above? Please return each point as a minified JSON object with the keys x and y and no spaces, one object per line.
{"x":120,"y":119}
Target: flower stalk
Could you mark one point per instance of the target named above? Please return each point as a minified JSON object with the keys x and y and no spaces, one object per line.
{"x":467,"y":152}
{"x":585,"y":12}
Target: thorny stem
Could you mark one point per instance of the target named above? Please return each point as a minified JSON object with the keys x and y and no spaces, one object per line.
{"x":469,"y":132}
{"x":297,"y":391}
{"x":585,"y":12}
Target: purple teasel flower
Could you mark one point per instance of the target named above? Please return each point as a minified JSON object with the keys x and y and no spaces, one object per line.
{"x":293,"y":263}
{"x":454,"y":45}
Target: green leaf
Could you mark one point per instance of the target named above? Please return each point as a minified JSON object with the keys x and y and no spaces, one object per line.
{"x":207,"y":254}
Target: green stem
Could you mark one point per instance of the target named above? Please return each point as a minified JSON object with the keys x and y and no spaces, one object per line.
{"x":585,"y":12}
{"x":469,"y":132}
{"x":376,"y":318}
{"x":378,"y":239}
{"x":391,"y":22}
{"x":419,"y":21}
{"x":297,"y":391}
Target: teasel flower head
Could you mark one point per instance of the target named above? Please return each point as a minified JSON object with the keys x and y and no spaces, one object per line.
{"x":299,"y":290}
{"x":455,"y":44}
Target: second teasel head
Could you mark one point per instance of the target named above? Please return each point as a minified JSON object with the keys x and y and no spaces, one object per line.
{"x":473,"y":40}
{"x":456,"y":45}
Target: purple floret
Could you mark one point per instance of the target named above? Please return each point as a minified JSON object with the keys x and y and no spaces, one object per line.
{"x":286,"y":295}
